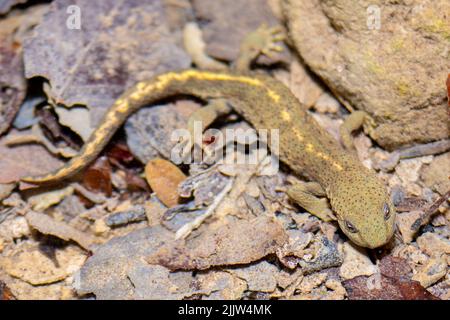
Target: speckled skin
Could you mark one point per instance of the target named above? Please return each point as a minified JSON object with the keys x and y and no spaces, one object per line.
{"x":355,"y":193}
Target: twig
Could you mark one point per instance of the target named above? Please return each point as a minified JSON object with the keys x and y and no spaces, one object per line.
{"x":4,"y":213}
{"x":91,"y":196}
{"x":37,"y":136}
{"x":419,"y":150}
{"x":429,"y":212}
{"x":185,"y":230}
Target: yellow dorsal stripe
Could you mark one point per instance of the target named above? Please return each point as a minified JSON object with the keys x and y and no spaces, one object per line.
{"x":164,"y":80}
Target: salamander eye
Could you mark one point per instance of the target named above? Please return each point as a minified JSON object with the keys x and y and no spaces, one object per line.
{"x":350,"y":227}
{"x":386,"y":211}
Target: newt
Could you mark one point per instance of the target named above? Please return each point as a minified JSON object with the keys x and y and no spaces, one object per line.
{"x":341,"y":188}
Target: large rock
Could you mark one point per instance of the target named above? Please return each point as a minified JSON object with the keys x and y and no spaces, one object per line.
{"x":396,"y":72}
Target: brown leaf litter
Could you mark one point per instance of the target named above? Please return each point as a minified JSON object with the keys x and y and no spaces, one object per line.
{"x":392,"y":283}
{"x":97,"y":177}
{"x":164,"y":177}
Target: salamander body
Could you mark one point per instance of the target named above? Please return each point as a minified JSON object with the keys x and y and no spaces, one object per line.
{"x":358,"y":198}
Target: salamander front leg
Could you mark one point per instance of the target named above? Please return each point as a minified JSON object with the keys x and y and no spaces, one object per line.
{"x":356,"y":120}
{"x":307,"y":195}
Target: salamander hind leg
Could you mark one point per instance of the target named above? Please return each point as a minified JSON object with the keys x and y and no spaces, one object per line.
{"x":307,"y":195}
{"x":203,"y":118}
{"x":208,"y":114}
{"x":261,"y":41}
{"x":195,"y":47}
{"x":355,"y":121}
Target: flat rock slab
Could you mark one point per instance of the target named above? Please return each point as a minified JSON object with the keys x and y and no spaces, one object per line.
{"x":394,"y":70}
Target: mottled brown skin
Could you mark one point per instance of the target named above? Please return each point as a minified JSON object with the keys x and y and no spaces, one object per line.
{"x":355,"y":193}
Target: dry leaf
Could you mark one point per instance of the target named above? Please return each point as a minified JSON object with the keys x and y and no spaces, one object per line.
{"x":204,"y":186}
{"x":164,"y":177}
{"x":37,"y":135}
{"x":410,"y":203}
{"x":19,"y":161}
{"x":49,"y":120}
{"x":388,"y":289}
{"x":395,"y":267}
{"x":47,"y":225}
{"x":97,"y":177}
{"x":13,"y":29}
{"x":133,"y":214}
{"x":119,"y":154}
{"x":392,"y":283}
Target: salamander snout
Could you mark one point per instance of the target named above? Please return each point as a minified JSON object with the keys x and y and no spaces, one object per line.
{"x":366,"y":215}
{"x":372,"y":227}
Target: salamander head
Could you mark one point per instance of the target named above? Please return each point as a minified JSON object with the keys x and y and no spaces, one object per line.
{"x":364,"y":210}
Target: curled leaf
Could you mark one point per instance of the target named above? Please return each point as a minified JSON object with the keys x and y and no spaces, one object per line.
{"x":97,"y":177}
{"x":47,"y":225}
